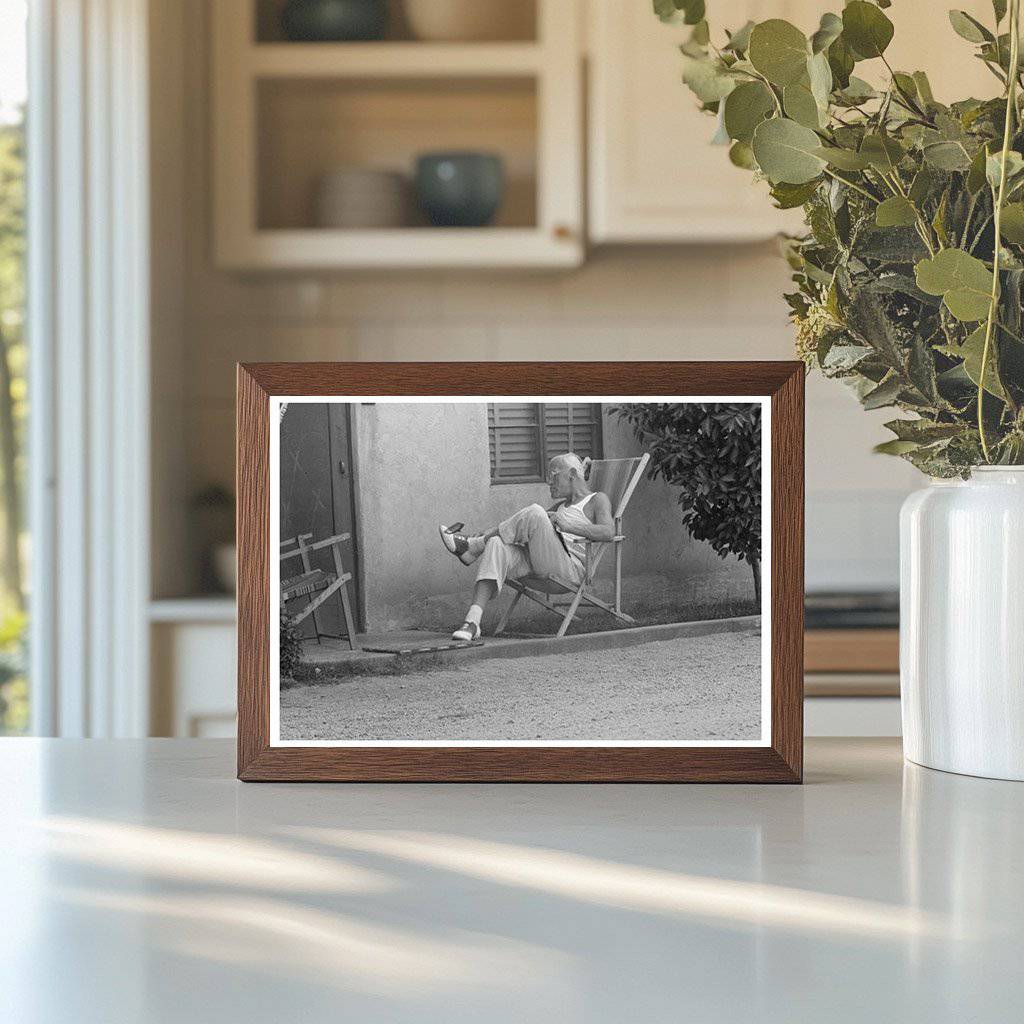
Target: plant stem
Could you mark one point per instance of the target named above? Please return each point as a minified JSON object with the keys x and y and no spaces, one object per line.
{"x":907,"y":99}
{"x":1011,"y":108}
{"x":853,"y":185}
{"x":768,"y":86}
{"x":981,"y":231}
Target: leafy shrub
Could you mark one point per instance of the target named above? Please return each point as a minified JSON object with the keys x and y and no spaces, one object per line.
{"x":712,"y":453}
{"x":290,"y":647}
{"x":901,"y":289}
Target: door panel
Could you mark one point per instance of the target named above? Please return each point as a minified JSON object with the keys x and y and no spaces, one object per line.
{"x":316,"y":491}
{"x":343,"y":480}
{"x":654,"y":176}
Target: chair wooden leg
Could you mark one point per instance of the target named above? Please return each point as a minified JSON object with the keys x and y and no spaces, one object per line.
{"x":343,"y":578}
{"x":570,"y":613}
{"x":315,"y":616}
{"x":507,"y":614}
{"x":314,"y":604}
{"x":596,"y":602}
{"x":618,"y":568}
{"x":349,"y":623}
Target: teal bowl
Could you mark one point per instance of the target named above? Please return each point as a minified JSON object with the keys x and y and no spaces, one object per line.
{"x":334,"y":21}
{"x":460,"y":189}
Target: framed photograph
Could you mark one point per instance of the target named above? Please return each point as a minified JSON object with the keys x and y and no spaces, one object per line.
{"x":520,"y":571}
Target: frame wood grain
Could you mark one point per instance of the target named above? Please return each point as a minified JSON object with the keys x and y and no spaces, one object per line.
{"x":782,"y":761}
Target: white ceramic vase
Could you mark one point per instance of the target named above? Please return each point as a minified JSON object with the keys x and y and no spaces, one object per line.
{"x":962,"y":624}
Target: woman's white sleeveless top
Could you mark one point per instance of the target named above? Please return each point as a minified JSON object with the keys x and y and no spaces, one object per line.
{"x":575,"y":544}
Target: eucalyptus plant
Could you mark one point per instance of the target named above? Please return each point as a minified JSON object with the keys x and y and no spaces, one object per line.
{"x":910,"y":277}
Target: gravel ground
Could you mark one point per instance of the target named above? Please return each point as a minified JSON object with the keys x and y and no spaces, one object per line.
{"x":693,"y":688}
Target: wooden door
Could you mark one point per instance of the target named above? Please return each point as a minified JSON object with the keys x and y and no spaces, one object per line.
{"x":317,"y":491}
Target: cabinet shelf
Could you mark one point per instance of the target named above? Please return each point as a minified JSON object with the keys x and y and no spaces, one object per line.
{"x":403,"y":248}
{"x":287,"y":114}
{"x":393,"y":60}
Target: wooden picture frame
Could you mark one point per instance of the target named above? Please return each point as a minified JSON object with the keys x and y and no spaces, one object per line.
{"x":781,"y":387}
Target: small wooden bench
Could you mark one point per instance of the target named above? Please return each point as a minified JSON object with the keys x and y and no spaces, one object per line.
{"x":312,"y":581}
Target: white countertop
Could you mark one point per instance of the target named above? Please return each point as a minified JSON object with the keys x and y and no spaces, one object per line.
{"x":140,"y":882}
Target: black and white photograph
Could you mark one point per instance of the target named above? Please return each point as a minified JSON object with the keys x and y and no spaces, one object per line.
{"x":523,"y":571}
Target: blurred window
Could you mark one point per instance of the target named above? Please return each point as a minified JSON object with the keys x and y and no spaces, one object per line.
{"x":14,"y":546}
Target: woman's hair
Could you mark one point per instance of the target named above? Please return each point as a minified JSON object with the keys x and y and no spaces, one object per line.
{"x":570,"y":460}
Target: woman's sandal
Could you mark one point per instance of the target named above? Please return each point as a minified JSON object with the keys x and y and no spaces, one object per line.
{"x":467,"y":632}
{"x":457,"y":543}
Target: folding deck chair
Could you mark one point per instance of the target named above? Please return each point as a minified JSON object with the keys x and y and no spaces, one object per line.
{"x":618,"y":479}
{"x":316,"y":581}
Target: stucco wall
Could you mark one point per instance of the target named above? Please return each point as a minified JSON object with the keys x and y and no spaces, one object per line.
{"x":423,"y":464}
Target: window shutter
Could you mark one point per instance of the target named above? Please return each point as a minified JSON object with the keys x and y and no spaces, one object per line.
{"x":523,"y":436}
{"x":572,"y":427}
{"x":513,"y":430}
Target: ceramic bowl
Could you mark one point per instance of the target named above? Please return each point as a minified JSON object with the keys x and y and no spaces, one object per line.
{"x":359,"y":197}
{"x":333,"y":21}
{"x":460,"y":189}
{"x":471,"y":20}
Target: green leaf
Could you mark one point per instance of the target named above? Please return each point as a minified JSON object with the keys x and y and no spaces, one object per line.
{"x":922,"y":431}
{"x":857,"y":91}
{"x":921,"y":370}
{"x":787,"y":151}
{"x":779,"y":51}
{"x":666,"y":10}
{"x":745,"y":108}
{"x":829,"y":30}
{"x":922,"y":185}
{"x":844,"y":159}
{"x":971,"y":352}
{"x":947,"y":156}
{"x":868,"y":319}
{"x":969,"y":28}
{"x":689,"y":12}
{"x":883,"y":152}
{"x":999,"y":9}
{"x":906,"y":84}
{"x":976,"y":173}
{"x":924,"y":88}
{"x":721,"y":136}
{"x":885,"y":394}
{"x":895,"y":447}
{"x":788,"y":196}
{"x":963,"y":281}
{"x":993,"y":166}
{"x":939,"y":220}
{"x":801,"y":106}
{"x":693,"y":10}
{"x":701,"y":34}
{"x":866,"y":29}
{"x":739,"y":41}
{"x":741,"y":155}
{"x":840,"y":61}
{"x":890,"y":245}
{"x":895,"y":212}
{"x":819,"y":74}
{"x":707,"y":78}
{"x":1011,"y":226}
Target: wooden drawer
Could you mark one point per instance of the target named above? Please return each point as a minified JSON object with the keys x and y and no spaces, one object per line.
{"x":852,"y":650}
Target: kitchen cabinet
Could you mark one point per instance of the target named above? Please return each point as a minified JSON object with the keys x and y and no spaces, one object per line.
{"x":287,"y":114}
{"x":654,"y":177}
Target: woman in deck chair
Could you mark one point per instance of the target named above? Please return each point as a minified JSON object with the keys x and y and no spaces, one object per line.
{"x":535,"y":541}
